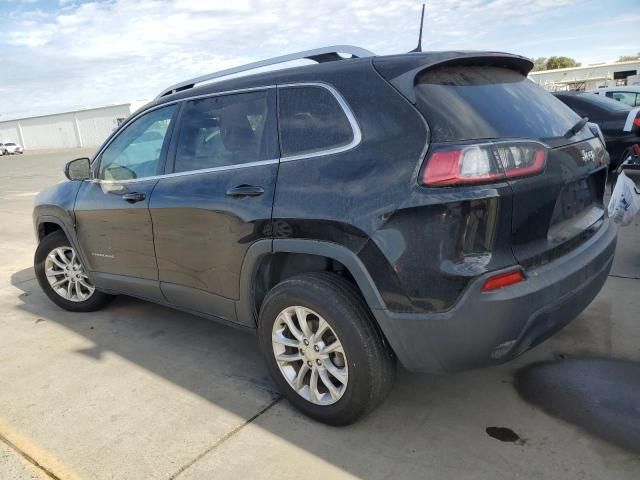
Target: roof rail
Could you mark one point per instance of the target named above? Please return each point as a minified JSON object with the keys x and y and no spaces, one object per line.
{"x":320,"y":55}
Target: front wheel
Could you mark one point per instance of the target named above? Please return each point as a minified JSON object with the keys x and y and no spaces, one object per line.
{"x":323,"y":349}
{"x":62,"y":276}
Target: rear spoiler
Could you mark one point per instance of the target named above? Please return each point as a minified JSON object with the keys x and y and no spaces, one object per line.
{"x":401,"y":70}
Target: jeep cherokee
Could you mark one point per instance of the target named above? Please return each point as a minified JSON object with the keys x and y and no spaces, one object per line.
{"x":435,"y":208}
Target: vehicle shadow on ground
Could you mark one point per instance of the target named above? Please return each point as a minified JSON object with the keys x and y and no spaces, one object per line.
{"x":425,"y":413}
{"x":600,"y":395}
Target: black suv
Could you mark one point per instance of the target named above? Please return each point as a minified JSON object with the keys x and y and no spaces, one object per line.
{"x":438,"y":208}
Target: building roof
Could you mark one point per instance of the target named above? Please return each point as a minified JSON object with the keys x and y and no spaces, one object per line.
{"x":586,"y":67}
{"x":66,"y":112}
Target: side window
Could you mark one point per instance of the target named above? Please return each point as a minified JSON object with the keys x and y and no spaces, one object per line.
{"x":135,"y":152}
{"x":311,"y":120}
{"x":224,"y":130}
{"x":628,"y":98}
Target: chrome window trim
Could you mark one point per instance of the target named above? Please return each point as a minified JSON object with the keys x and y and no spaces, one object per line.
{"x":355,"y":128}
{"x":357,"y":134}
{"x":192,"y":172}
{"x":137,"y":115}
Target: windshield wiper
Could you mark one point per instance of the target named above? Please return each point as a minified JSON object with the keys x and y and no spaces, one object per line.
{"x":577,"y":127}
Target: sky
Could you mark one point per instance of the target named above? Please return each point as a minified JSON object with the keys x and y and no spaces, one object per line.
{"x":60,"y":55}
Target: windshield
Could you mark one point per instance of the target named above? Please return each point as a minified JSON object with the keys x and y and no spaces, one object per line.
{"x":478,"y":102}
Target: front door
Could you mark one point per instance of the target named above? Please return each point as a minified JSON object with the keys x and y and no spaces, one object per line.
{"x":218,"y":199}
{"x":112,"y":211}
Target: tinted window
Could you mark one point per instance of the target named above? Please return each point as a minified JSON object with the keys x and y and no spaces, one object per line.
{"x":224,"y":130}
{"x":584,"y":109}
{"x":475,"y":102}
{"x":136,"y":151}
{"x":311,"y":120}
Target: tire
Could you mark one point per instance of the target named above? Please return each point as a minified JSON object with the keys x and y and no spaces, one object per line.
{"x":58,"y":242}
{"x":367,"y":363}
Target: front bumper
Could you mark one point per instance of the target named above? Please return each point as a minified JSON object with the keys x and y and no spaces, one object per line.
{"x":487,"y":328}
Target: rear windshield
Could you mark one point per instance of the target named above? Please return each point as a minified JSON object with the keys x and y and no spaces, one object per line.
{"x":475,"y":102}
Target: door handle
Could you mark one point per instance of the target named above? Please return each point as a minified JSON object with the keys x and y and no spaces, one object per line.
{"x":245,"y":191}
{"x":133,"y":197}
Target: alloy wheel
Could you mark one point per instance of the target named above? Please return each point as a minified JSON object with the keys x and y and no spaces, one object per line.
{"x":67,"y":276}
{"x":310,"y":355}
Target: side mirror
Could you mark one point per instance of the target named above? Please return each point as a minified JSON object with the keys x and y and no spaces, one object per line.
{"x":78,"y":169}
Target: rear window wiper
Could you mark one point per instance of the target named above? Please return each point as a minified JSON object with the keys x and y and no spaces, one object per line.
{"x":577,"y":127}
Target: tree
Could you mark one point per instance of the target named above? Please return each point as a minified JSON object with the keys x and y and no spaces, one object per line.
{"x":539,"y":63}
{"x":628,"y":58}
{"x":561,"y":62}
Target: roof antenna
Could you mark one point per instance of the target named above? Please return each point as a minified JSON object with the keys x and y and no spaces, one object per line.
{"x":419,"y":47}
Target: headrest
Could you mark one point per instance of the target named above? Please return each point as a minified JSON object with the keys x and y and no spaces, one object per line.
{"x":235,"y":129}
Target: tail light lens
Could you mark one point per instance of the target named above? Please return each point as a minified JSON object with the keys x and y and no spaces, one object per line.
{"x":636,"y":121}
{"x":483,"y":163}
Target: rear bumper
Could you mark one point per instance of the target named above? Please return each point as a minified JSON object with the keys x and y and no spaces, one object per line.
{"x":487,"y":328}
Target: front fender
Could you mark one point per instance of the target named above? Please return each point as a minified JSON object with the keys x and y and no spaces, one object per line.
{"x":55,"y":205}
{"x":57,"y":202}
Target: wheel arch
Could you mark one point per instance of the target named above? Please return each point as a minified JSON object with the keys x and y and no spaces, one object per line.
{"x":47,"y":227}
{"x":47,"y":224}
{"x":262,"y":253}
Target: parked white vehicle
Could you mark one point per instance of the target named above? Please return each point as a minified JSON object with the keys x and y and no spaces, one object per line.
{"x":10,"y":148}
{"x":629,"y":95}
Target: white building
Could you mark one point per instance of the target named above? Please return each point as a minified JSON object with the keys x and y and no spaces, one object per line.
{"x":587,"y":77}
{"x":78,"y":129}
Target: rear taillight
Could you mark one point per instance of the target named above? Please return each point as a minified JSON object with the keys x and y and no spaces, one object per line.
{"x":636,"y":121}
{"x":483,"y":163}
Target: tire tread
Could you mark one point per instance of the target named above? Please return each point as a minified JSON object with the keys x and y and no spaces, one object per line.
{"x":381,"y":360}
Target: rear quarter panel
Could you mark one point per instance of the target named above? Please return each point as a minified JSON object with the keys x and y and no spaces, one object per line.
{"x":347,"y":197}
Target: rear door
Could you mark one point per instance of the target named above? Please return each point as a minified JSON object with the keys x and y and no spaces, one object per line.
{"x":216,"y":200}
{"x":467,"y":104}
{"x":112,"y":212}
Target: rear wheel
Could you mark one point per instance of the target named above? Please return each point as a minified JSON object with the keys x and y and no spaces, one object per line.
{"x":323,"y":349}
{"x":62,"y":276}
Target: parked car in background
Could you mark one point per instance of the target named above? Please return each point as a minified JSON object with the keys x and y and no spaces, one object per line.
{"x":11,"y":148}
{"x":436,"y":208}
{"x":629,"y":95}
{"x":620,"y":123}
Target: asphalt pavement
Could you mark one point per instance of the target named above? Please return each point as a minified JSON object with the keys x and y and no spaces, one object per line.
{"x":140,"y":391}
